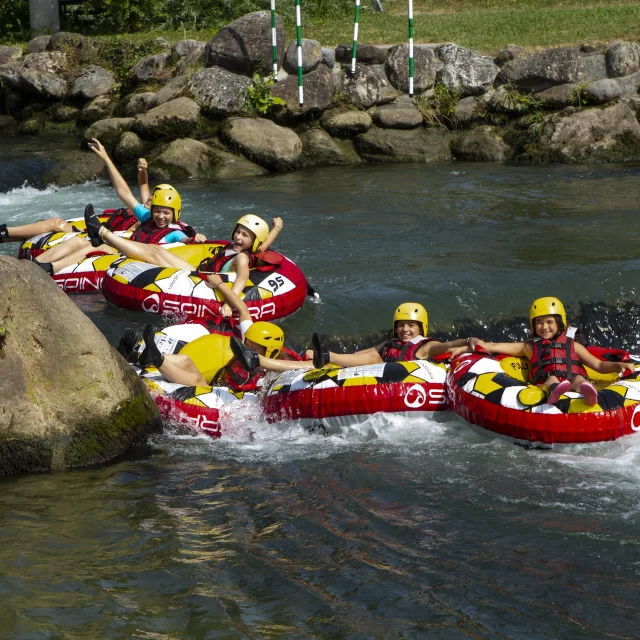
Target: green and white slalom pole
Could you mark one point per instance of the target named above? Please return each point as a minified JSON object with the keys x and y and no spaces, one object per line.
{"x":274,"y":41}
{"x":299,"y":37}
{"x":411,"y":48}
{"x":355,"y":38}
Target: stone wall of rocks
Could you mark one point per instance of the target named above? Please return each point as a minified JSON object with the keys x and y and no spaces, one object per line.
{"x":189,"y":111}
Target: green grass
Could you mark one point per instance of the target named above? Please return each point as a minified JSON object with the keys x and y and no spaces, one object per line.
{"x":488,"y":29}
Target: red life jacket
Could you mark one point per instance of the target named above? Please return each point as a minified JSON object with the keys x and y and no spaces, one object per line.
{"x":395,"y":350}
{"x":556,"y":357}
{"x":262,"y":261}
{"x":149,"y":233}
{"x":237,"y":378}
{"x":119,"y":219}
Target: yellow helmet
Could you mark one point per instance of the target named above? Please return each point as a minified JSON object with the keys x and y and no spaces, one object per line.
{"x":257,"y":226}
{"x":166,"y":196}
{"x":412,"y":311}
{"x":267,"y":334}
{"x":547,"y":307}
{"x":163,"y":186}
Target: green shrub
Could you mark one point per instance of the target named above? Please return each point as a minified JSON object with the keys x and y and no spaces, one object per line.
{"x":259,"y":98}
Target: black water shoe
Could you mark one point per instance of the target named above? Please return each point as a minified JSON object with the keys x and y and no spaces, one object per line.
{"x":151,"y":355}
{"x":93,"y":225}
{"x":249,"y":359}
{"x":320,"y":355}
{"x":47,"y":266}
{"x":127,"y":345}
{"x":4,"y":234}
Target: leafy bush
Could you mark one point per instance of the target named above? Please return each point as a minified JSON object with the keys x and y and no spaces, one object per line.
{"x":14,"y":18}
{"x":259,"y":98}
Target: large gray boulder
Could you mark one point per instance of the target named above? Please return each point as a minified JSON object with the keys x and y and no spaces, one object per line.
{"x":560,"y":96}
{"x":610,"y":89}
{"x":42,"y":74}
{"x":318,"y":92}
{"x":365,"y":54}
{"x":589,"y":136}
{"x":191,"y":62}
{"x":38,"y":44}
{"x":229,"y":166}
{"x":135,"y":104}
{"x":182,"y":159}
{"x":10,"y":54}
{"x":505,"y":100}
{"x":465,"y":71}
{"x":154,"y":67}
{"x":508,"y":53}
{"x":99,"y":108}
{"x":129,"y":148}
{"x":425,"y":67}
{"x":483,"y":144}
{"x":401,"y":115}
{"x":346,"y":124}
{"x":65,"y":113}
{"x":175,"y":118}
{"x":469,"y":110}
{"x":186,"y":47}
{"x":264,"y":142}
{"x":311,"y":56}
{"x":367,"y":87}
{"x":92,"y":82}
{"x":244,"y":46}
{"x":539,"y":71}
{"x":67,"y":398}
{"x":623,"y":59}
{"x":218,"y":91}
{"x":391,"y":145}
{"x":319,"y":149}
{"x":67,"y":41}
{"x":173,"y":89}
{"x":108,"y":131}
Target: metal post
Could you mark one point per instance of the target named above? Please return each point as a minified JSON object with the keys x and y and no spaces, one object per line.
{"x":355,"y":38}
{"x":274,"y":41}
{"x":299,"y":37}
{"x":44,"y":16}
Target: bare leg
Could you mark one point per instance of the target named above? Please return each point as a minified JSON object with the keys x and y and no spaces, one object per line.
{"x":75,"y":257}
{"x":283,"y":365}
{"x":25,"y":231}
{"x":181,"y":370}
{"x":151,"y":253}
{"x":63,"y":249}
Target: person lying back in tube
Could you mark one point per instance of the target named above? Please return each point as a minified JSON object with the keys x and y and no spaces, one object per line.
{"x":557,"y":360}
{"x":408,"y":341}
{"x":263,"y":350}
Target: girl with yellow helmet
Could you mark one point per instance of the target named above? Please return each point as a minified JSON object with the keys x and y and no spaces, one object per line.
{"x":159,"y":221}
{"x":557,"y":359}
{"x":408,"y":342}
{"x":242,"y":367}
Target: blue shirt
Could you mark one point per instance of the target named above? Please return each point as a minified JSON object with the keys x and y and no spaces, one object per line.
{"x":143,"y":214}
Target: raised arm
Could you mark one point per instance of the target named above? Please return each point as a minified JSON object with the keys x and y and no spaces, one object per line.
{"x":143,"y":180}
{"x":119,"y":183}
{"x":433,"y":349}
{"x":276,"y":227}
{"x":230,"y":296}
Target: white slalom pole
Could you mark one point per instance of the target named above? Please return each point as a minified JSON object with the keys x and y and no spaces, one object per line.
{"x":299,"y":38}
{"x":274,"y":41}
{"x":355,"y":38}
{"x":411,"y":48}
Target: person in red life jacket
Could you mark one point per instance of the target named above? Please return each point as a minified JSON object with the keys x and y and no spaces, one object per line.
{"x":263,"y":349}
{"x":557,"y":359}
{"x":408,"y":342}
{"x":120,"y":220}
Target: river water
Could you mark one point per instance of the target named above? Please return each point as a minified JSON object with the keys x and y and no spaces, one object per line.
{"x":397,"y":529}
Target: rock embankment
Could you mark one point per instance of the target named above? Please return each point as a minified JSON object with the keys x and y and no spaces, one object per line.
{"x":204,"y":109}
{"x":67,"y":399}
